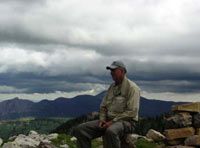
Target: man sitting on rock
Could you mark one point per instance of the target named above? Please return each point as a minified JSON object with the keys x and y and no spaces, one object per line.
{"x":118,"y":112}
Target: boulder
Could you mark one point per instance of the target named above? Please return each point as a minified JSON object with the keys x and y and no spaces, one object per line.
{"x":193,"y":140}
{"x":12,"y":138}
{"x":175,"y":142}
{"x":46,"y":145}
{"x":11,"y":145}
{"x":52,"y":136}
{"x":197,"y":131}
{"x":33,"y":132}
{"x":34,"y":135}
{"x":131,"y":139}
{"x":1,"y":141}
{"x":196,"y":120}
{"x":33,"y":140}
{"x":73,"y":139}
{"x":155,"y":135}
{"x":25,"y":141}
{"x":172,"y":134}
{"x":189,"y":107}
{"x":37,"y":137}
{"x":179,"y":120}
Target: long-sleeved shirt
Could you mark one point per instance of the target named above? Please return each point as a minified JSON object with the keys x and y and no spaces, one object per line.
{"x":121,"y":102}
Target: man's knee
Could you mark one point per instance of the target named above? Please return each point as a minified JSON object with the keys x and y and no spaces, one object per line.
{"x":77,"y":130}
{"x":110,"y":132}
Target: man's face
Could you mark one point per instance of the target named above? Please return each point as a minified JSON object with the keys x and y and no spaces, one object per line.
{"x":117,"y":74}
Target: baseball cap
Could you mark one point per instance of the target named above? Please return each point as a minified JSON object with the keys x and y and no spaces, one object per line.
{"x":116,"y":64}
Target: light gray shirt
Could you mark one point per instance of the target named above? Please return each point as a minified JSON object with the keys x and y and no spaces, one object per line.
{"x":121,"y":102}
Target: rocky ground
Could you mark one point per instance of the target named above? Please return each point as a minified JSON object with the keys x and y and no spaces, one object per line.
{"x":35,"y":140}
{"x":32,"y":140}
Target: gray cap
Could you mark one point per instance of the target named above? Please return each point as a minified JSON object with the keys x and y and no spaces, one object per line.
{"x":117,"y":64}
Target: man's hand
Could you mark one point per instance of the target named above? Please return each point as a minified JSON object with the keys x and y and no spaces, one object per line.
{"x":104,"y":124}
{"x":107,"y":124}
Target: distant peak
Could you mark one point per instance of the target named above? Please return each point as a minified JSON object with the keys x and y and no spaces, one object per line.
{"x":16,"y":98}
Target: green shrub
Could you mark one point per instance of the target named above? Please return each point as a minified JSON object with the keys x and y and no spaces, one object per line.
{"x":64,"y":139}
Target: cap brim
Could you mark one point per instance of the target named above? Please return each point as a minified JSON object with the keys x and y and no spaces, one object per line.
{"x":111,"y":67}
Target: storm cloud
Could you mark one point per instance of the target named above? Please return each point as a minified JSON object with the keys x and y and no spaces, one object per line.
{"x":50,"y":46}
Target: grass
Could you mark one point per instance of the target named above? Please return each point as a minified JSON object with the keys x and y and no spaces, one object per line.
{"x":65,"y":139}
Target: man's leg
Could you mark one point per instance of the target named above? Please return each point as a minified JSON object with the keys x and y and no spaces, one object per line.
{"x":85,"y":132}
{"x":114,"y":134}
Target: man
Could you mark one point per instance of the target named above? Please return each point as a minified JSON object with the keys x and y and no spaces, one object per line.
{"x":118,"y":112}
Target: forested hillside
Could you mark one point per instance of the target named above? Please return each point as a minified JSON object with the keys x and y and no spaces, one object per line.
{"x":24,"y":125}
{"x":74,"y":107}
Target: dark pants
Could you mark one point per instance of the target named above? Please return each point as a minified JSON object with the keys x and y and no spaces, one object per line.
{"x":111,"y":136}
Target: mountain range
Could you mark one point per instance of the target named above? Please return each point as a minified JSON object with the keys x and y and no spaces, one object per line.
{"x":73,"y":107}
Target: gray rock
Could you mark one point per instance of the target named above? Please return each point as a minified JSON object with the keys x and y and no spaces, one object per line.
{"x":175,"y":142}
{"x":46,"y":145}
{"x":73,"y":139}
{"x":39,"y":138}
{"x":131,"y":139}
{"x":11,"y":145}
{"x":52,"y":136}
{"x":26,"y":141}
{"x":33,"y":133}
{"x":33,"y":140}
{"x":1,"y":141}
{"x":193,"y":140}
{"x":179,"y":120}
{"x":155,"y":135}
{"x":12,"y":138}
{"x":196,"y":120}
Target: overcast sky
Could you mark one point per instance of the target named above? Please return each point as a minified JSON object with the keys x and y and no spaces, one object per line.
{"x":51,"y":48}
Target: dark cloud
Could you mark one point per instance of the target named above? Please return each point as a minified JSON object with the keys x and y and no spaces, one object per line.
{"x":49,"y":46}
{"x":21,"y":36}
{"x":151,"y":81}
{"x":175,"y":86}
{"x":32,"y":83}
